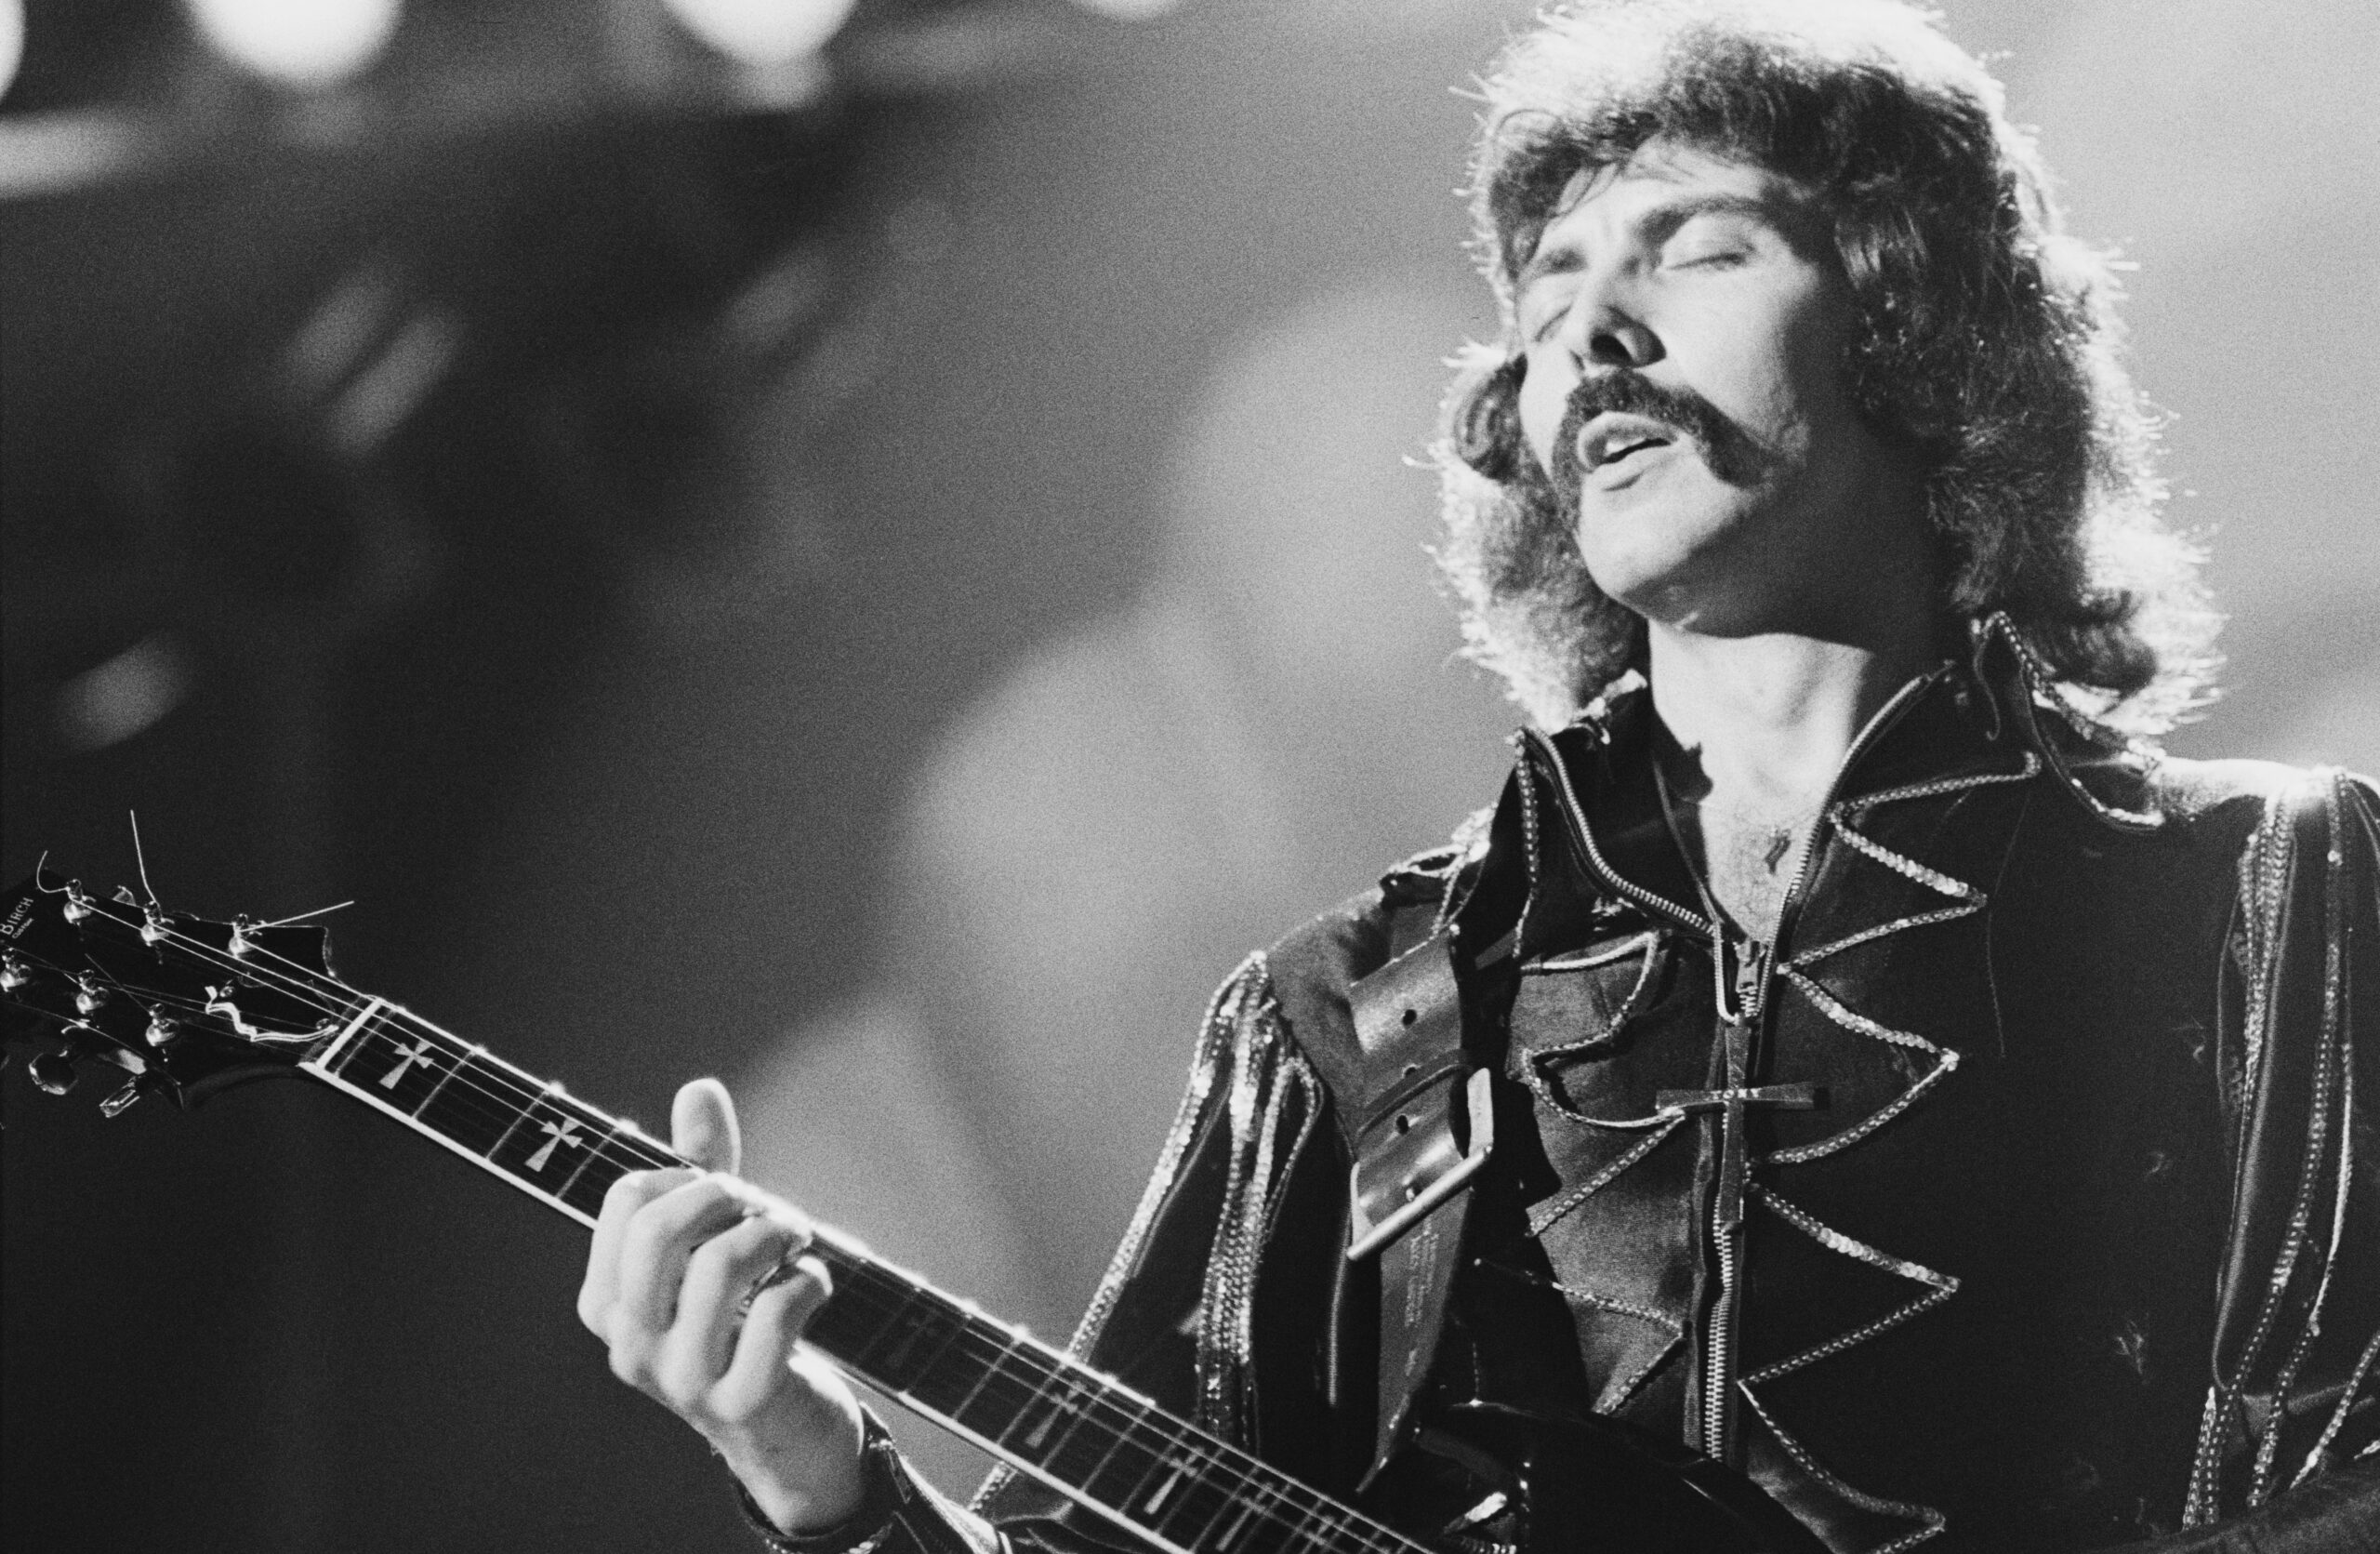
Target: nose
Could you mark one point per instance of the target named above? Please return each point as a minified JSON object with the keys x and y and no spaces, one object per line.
{"x":1611,"y":336}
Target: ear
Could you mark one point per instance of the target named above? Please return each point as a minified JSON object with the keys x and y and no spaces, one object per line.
{"x":1483,"y":422}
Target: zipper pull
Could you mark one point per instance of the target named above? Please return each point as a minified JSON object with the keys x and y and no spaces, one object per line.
{"x":1750,"y":972}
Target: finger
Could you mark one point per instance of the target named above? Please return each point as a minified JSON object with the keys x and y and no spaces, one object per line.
{"x":660,"y":1239}
{"x":770,"y":1330}
{"x":601,"y":1286}
{"x":701,"y":1126}
{"x":721,"y":1274}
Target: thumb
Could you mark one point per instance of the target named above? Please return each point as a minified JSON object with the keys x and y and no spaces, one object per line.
{"x":701,"y":1126}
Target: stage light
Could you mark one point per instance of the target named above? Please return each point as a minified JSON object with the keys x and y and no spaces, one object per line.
{"x":12,"y":41}
{"x":762,"y":33}
{"x":308,"y":44}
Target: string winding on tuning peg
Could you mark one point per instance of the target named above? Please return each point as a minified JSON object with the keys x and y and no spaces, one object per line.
{"x":53,"y":1071}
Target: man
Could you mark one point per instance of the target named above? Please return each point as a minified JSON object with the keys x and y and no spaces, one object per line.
{"x":1845,"y":1050}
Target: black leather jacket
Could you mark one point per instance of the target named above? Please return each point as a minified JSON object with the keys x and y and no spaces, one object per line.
{"x":2080,"y":1244}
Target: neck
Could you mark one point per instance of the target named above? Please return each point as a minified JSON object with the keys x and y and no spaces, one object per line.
{"x":1772,"y":717}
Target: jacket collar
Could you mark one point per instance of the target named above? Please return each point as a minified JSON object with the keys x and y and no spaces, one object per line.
{"x":1591,"y":784}
{"x":1595,"y":787}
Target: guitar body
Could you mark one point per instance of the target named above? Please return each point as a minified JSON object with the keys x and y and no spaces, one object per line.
{"x":181,"y":1006}
{"x":1590,"y":1486}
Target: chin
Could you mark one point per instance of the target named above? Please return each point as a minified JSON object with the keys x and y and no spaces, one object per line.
{"x":1653,"y":573}
{"x":1660,"y":557}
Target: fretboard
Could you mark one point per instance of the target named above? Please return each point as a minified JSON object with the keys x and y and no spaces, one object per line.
{"x":1090,"y":1438}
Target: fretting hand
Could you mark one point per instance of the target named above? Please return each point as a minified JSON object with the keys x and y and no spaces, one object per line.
{"x":677,"y":1255}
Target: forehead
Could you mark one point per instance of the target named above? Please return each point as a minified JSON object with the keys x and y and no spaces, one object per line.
{"x":1653,"y":185}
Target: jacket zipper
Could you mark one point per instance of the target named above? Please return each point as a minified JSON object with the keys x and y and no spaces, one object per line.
{"x":1576,"y":819}
{"x":1760,"y":972}
{"x":1752,"y":984}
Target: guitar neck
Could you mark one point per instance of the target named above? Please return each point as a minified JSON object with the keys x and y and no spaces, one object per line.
{"x":1046,"y":1414}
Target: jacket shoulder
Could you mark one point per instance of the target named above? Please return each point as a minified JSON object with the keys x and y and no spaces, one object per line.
{"x":2223,"y":801}
{"x":1314,"y":966}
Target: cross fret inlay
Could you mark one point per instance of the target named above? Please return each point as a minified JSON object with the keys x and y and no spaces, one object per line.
{"x":903,"y":1336}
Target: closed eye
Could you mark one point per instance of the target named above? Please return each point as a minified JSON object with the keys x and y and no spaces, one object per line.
{"x":1708,"y":239}
{"x":1705,"y":257}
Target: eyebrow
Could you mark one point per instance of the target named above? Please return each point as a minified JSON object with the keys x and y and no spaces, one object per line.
{"x":1663,"y":217}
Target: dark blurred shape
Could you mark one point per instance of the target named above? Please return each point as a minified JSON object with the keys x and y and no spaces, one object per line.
{"x":85,"y":53}
{"x":338,"y":430}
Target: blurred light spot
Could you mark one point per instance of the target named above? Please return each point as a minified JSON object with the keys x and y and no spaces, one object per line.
{"x":112,"y":703}
{"x":44,"y":153}
{"x":779,"y":303}
{"x":332,"y":341}
{"x":12,"y":41}
{"x":393,"y":386}
{"x":763,"y":32}
{"x":300,"y":43}
{"x":1130,"y":10}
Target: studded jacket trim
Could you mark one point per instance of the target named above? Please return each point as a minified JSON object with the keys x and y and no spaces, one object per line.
{"x":2304,"y":1204}
{"x":1229,"y":1257}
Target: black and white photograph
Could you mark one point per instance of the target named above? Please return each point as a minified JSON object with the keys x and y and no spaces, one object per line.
{"x":1190,"y":777}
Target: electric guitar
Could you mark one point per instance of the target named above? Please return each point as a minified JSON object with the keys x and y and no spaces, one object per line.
{"x":184,"y":1007}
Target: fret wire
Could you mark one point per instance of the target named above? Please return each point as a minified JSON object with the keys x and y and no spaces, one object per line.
{"x":443,"y":1079}
{"x":995,"y":1350}
{"x":949,"y":1319}
{"x":1062,"y":1384}
{"x":975,"y":1339}
{"x":1008,"y":1355}
{"x":492,"y":1078}
{"x":520,"y":1115}
{"x":1184,"y":1454}
{"x":493,"y":1082}
{"x":360,"y":1013}
{"x":589,"y":1156}
{"x":1224,"y":1465}
{"x":487,"y":1094}
{"x":1236,"y":1475}
{"x":991,"y":1348}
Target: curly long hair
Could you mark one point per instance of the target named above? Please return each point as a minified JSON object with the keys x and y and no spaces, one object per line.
{"x":1986,"y":341}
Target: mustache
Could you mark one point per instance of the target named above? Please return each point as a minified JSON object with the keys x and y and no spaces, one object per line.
{"x":1724,"y":447}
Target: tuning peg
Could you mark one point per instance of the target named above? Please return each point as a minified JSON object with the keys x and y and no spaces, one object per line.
{"x":115,"y":1104}
{"x":89,"y":994}
{"x":78,"y":905}
{"x":240,"y":944}
{"x":152,"y":927}
{"x":54,"y":1071}
{"x":161,"y":1030}
{"x":124,"y":895}
{"x":12,"y":972}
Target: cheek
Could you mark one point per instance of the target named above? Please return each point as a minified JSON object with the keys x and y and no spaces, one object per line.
{"x":1811,"y":348}
{"x":1774,"y":371}
{"x":1545,"y":392}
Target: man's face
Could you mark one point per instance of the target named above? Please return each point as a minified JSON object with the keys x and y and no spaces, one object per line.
{"x":1684,"y":324}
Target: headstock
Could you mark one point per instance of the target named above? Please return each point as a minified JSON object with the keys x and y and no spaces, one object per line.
{"x":184,"y":1006}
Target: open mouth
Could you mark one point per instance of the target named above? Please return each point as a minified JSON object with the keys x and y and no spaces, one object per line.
{"x":1611,"y":440}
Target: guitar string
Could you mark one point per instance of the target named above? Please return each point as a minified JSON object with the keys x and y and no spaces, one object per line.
{"x":516,"y":1100}
{"x":302,"y":984}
